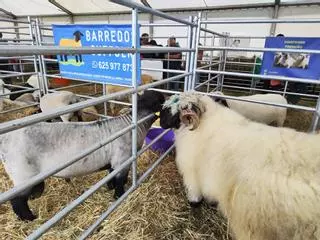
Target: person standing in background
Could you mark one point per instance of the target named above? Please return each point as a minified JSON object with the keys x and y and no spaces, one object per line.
{"x":174,"y":65}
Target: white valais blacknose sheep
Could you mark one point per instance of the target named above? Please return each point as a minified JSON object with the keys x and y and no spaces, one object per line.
{"x":35,"y":149}
{"x":260,"y":112}
{"x":265,"y":179}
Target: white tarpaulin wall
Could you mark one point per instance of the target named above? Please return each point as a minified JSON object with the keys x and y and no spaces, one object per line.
{"x":103,"y":11}
{"x":44,"y":7}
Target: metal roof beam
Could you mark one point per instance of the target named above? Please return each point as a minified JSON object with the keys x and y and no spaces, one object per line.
{"x":62,"y":8}
{"x":145,"y":3}
{"x":10,"y":14}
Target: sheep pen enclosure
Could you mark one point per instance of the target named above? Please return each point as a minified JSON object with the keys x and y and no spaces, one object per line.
{"x":154,"y":205}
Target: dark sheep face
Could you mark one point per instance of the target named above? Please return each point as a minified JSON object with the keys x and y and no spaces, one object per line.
{"x":167,"y":120}
{"x":151,"y":100}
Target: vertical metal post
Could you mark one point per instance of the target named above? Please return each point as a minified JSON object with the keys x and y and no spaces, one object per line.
{"x":151,"y":20}
{"x":210,"y":62}
{"x":274,"y":16}
{"x":285,"y":88}
{"x":205,"y":26}
{"x":34,"y":56}
{"x":104,"y":92}
{"x":315,"y":119}
{"x":224,"y":57}
{"x":253,"y":80}
{"x":16,"y":29}
{"x":42,"y":63}
{"x":195,"y":60}
{"x":188,"y":56}
{"x":135,"y":40}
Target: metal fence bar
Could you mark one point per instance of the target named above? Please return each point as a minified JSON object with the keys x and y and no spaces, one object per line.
{"x":287,"y":50}
{"x":131,"y":4}
{"x":212,"y":32}
{"x":270,"y":91}
{"x":56,"y":50}
{"x":260,"y":102}
{"x":237,"y":74}
{"x":92,"y":228}
{"x":13,"y":21}
{"x":19,"y":108}
{"x":20,"y":91}
{"x":16,"y":74}
{"x":162,"y":25}
{"x":194,"y":62}
{"x":188,"y":55}
{"x":207,"y":81}
{"x":261,"y":21}
{"x":163,"y":70}
{"x":19,"y":123}
{"x":135,"y":42}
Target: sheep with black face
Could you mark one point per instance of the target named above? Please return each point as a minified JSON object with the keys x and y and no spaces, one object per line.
{"x":266,"y":179}
{"x":34,"y":149}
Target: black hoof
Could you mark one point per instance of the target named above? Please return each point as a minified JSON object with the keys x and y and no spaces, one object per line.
{"x":68,"y":180}
{"x":110,"y":185}
{"x":28,"y":217}
{"x":117,"y":195}
{"x":195,"y":204}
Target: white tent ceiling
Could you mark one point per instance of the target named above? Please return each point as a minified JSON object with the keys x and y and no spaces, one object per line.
{"x":44,"y":7}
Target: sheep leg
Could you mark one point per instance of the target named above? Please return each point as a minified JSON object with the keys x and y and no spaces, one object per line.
{"x":61,"y":58}
{"x":76,"y":56}
{"x":192,"y":189}
{"x":37,"y":190}
{"x":111,"y":184}
{"x":21,"y":209}
{"x":80,"y":57}
{"x":119,"y":181}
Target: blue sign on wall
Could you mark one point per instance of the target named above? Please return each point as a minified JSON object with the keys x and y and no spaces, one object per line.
{"x":298,"y":65}
{"x":102,"y":68}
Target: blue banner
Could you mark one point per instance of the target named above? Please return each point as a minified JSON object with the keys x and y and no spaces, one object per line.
{"x":101,"y":68}
{"x":298,"y":65}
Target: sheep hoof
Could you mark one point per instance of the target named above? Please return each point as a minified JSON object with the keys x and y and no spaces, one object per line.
{"x":195,"y":204}
{"x":118,"y":193}
{"x":68,"y":180}
{"x":110,"y":185}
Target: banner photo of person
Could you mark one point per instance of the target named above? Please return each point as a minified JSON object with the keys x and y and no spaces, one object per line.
{"x":106,"y":68}
{"x":299,"y":65}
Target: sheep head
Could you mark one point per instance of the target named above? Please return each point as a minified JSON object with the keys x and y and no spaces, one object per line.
{"x":151,"y":101}
{"x":186,"y":109}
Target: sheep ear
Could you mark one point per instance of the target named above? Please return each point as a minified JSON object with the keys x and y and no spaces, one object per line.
{"x":221,"y":101}
{"x":190,"y":118}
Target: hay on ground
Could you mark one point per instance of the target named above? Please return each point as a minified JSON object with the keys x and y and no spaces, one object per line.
{"x":156,"y":210}
{"x":5,"y":117}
